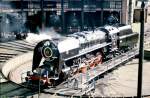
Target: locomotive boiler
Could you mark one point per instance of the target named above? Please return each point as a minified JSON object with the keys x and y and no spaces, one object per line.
{"x":57,"y":59}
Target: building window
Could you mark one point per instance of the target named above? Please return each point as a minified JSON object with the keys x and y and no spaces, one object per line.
{"x":74,"y":3}
{"x":113,"y":4}
{"x":118,"y":5}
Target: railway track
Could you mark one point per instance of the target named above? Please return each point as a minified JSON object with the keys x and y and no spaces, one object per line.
{"x":15,"y":48}
{"x":9,"y":50}
{"x":11,"y":89}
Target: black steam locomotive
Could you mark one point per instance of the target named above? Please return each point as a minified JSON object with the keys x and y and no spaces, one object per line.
{"x":12,"y":24}
{"x":57,"y":59}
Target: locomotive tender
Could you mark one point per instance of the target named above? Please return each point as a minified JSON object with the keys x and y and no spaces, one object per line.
{"x":79,"y":52}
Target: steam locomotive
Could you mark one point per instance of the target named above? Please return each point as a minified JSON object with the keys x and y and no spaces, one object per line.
{"x":57,"y":59}
{"x":12,"y":24}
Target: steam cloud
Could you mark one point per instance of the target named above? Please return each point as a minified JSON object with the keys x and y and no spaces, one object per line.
{"x":48,"y":33}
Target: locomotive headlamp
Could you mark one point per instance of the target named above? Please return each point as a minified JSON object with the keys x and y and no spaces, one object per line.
{"x":45,"y":76}
{"x":34,"y":71}
{"x":47,"y":52}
